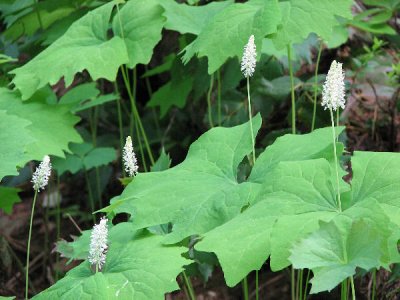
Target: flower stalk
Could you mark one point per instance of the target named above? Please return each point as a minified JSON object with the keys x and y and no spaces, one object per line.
{"x":40,"y":179}
{"x":248,"y":66}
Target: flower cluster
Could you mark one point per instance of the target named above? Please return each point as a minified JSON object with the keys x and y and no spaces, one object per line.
{"x":98,"y":244}
{"x":129,"y":158}
{"x":249,"y":58}
{"x":40,"y":177}
{"x":333,"y":93}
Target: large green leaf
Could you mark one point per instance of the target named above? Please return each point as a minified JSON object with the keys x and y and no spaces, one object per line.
{"x":14,"y":137}
{"x":51,"y":127}
{"x":229,"y":30}
{"x":142,"y":22}
{"x":302,"y":17}
{"x":138,"y":267}
{"x":295,"y":197}
{"x":200,"y":193}
{"x":336,"y":249}
{"x":190,"y":19}
{"x":84,"y":46}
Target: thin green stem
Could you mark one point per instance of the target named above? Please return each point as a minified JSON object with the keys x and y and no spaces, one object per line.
{"x":337,"y":121}
{"x":136,"y":115}
{"x":251,"y":121}
{"x":189,"y":286}
{"x":219,"y":96}
{"x":153,"y":111}
{"x":300,"y":284}
{"x":97,"y":268}
{"x":336,"y":160}
{"x":289,"y":53}
{"x":210,"y":121}
{"x":38,"y":14}
{"x":343,"y":294}
{"x":120,"y":126}
{"x":373,"y":284}
{"x":257,"y":285}
{"x":306,"y":284}
{"x":90,"y":195}
{"x":245,"y":289}
{"x":353,"y":290}
{"x":29,"y":246}
{"x":98,"y":188}
{"x":292,"y":284}
{"x":316,"y":85}
{"x":58,"y":223}
{"x":140,"y":147}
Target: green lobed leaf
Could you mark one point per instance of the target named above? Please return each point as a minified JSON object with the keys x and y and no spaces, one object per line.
{"x":296,"y":196}
{"x":302,"y":17}
{"x":336,"y":249}
{"x":84,"y":46}
{"x":142,"y":22}
{"x":51,"y":128}
{"x":198,"y":194}
{"x":12,"y":147}
{"x":138,"y":267}
{"x":228,"y":31}
{"x":190,"y":19}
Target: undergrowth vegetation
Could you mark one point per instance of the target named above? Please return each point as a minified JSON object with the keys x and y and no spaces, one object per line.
{"x":188,"y":137}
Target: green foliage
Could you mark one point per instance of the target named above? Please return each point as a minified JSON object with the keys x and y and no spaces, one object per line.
{"x":228,"y":31}
{"x":335,"y":250}
{"x":137,"y":265}
{"x":36,"y":136}
{"x":84,"y":46}
{"x":8,"y":197}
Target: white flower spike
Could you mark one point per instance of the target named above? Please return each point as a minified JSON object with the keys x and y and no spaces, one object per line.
{"x":129,"y":158}
{"x":42,"y":173}
{"x":333,"y":93}
{"x":98,"y":244}
{"x":249,"y":58}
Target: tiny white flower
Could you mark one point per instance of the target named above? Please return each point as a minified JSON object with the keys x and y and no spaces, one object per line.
{"x":98,"y":244}
{"x":40,"y":177}
{"x":129,"y":158}
{"x":249,"y":58}
{"x":333,"y":93}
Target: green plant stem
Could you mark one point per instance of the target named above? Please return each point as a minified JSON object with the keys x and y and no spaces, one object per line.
{"x":210,"y":121}
{"x":353,"y":290}
{"x":219,"y":96}
{"x":292,"y":284}
{"x":90,"y":195}
{"x":245,"y":289}
{"x":97,"y":268}
{"x":337,"y":121}
{"x":257,"y":285}
{"x":289,"y":53}
{"x":136,"y":115}
{"x":251,"y":121}
{"x":336,"y":161}
{"x":300,"y":290}
{"x":306,"y":285}
{"x":58,"y":223}
{"x":38,"y":14}
{"x":189,"y":286}
{"x":120,"y":126}
{"x":29,"y":246}
{"x":373,"y":284}
{"x":316,"y":85}
{"x":343,"y":294}
{"x":154,"y":113}
{"x":140,"y":147}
